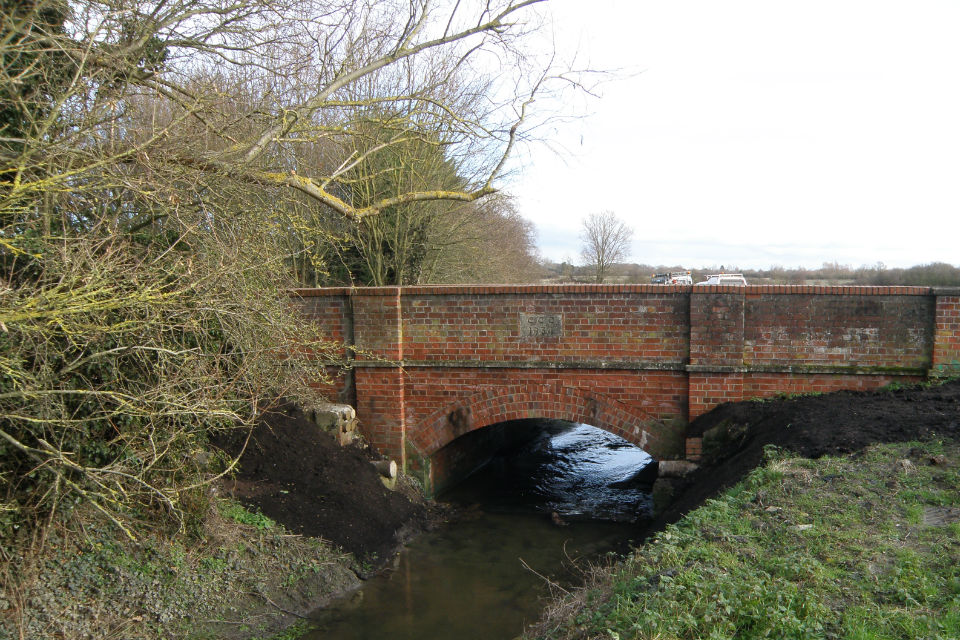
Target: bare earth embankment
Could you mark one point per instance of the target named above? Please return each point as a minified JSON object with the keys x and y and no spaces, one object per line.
{"x":298,"y":524}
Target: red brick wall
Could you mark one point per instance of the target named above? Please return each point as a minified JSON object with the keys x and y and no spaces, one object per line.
{"x":640,"y":324}
{"x":633,"y":359}
{"x":330,"y":311}
{"x":757,"y":341}
{"x":377,"y":330}
{"x":946,"y":353}
{"x":381,"y":409}
{"x":716,"y":326}
{"x":886,"y":331}
{"x":764,"y":385}
{"x":708,"y":389}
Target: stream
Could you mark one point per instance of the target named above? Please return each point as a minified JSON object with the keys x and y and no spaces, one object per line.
{"x":530,"y":520}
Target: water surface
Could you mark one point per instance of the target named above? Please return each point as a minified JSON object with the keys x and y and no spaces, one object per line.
{"x":485,"y":574}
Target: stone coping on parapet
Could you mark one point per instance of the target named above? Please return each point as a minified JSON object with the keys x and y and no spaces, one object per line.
{"x":641,"y":365}
{"x":526,"y":289}
{"x":946,"y":291}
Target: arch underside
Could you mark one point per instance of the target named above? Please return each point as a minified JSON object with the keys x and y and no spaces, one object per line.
{"x":552,"y":401}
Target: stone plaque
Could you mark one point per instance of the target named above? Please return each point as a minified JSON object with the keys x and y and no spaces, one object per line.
{"x":541,"y":325}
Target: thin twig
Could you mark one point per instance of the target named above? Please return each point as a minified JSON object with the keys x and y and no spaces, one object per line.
{"x":550,"y":583}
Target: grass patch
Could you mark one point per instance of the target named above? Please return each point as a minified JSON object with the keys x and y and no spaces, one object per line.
{"x":238,"y":513}
{"x":785,"y":395}
{"x":828,"y":548}
{"x":923,"y":384}
{"x":293,"y":632}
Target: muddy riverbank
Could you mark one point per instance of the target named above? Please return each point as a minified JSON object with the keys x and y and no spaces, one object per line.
{"x":244,"y":576}
{"x":300,"y":524}
{"x":735,"y":438}
{"x":298,"y":475}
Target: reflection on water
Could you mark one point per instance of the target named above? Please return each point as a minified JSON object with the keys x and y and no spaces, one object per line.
{"x":575,"y":470}
{"x":468,"y":579}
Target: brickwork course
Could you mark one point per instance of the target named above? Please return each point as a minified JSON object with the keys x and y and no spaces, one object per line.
{"x":432,"y":363}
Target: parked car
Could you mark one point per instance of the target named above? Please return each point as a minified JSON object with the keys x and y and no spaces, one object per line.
{"x":725,"y":278}
{"x":674,"y":277}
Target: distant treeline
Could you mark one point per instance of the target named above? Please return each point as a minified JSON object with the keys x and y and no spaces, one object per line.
{"x":936,"y":274}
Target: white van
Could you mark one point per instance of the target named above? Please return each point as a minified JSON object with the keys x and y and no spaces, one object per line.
{"x":725,"y":278}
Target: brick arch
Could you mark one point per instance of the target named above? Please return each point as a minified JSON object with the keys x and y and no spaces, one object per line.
{"x":554,"y":401}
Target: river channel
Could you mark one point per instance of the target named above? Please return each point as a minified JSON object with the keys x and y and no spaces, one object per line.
{"x":532,"y":516}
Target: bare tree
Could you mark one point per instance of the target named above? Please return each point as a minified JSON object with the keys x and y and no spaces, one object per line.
{"x":317,"y":68}
{"x":156,"y":158}
{"x":487,"y":241}
{"x":606,"y":240}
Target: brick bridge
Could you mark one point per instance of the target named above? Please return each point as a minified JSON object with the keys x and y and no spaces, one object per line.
{"x":434,"y":363}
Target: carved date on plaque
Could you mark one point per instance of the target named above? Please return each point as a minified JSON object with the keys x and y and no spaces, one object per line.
{"x":541,"y":325}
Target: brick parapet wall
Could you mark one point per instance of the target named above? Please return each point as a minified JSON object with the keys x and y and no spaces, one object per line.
{"x":377,"y":325}
{"x":716,"y":327}
{"x":332,"y":316}
{"x":572,"y":328}
{"x":946,"y":352}
{"x":881,"y":331}
{"x":653,"y":352}
{"x":331,"y":313}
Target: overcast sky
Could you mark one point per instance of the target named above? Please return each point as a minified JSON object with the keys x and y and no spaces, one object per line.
{"x":759,"y":133}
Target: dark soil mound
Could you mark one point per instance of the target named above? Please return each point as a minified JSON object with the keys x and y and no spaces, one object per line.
{"x":299,"y":476}
{"x":812,"y":426}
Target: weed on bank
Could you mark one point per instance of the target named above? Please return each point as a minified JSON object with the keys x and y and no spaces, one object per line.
{"x":865,"y":547}
{"x":240,"y":577}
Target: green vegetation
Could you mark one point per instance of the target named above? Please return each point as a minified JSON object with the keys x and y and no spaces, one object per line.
{"x":925,"y":384}
{"x":294,"y":631}
{"x":168,"y":173}
{"x":786,"y":395}
{"x":233,"y":583}
{"x":441,"y":241}
{"x":238,"y":513}
{"x":860,"y":548}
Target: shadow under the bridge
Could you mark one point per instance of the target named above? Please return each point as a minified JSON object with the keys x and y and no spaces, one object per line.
{"x":572,"y":471}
